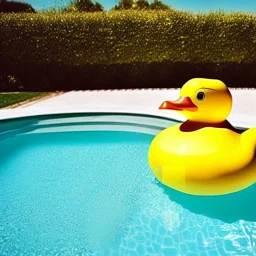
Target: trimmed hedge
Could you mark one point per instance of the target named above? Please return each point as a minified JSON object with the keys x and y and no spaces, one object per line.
{"x":52,"y":77}
{"x":125,"y":41}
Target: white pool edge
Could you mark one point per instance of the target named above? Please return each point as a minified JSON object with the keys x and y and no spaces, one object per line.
{"x":142,"y":102}
{"x":235,"y":120}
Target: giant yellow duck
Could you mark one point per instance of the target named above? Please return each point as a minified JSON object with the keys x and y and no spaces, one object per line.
{"x":205,"y":155}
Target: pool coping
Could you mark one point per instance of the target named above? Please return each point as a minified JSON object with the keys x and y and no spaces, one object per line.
{"x":151,"y":113}
{"x":34,"y":109}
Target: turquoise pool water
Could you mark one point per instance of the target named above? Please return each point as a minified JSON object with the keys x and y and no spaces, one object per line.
{"x":69,"y":191}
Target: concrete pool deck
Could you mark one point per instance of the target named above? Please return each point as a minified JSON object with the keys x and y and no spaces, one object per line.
{"x":142,"y":101}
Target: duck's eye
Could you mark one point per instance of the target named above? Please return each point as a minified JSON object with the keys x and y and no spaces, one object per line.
{"x":200,"y":96}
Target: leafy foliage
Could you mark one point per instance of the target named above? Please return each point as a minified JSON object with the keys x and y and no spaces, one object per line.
{"x":124,"y":5}
{"x":129,"y":36}
{"x":138,"y":47}
{"x":83,"y":6}
{"x":158,"y":5}
{"x":140,"y":5}
{"x":15,"y":6}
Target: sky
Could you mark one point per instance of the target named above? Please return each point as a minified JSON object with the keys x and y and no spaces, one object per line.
{"x":188,"y":5}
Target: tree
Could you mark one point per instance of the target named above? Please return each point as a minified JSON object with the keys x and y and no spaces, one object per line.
{"x":158,"y":5}
{"x":124,"y":5}
{"x":141,"y":4}
{"x":9,"y":7}
{"x":98,"y":7}
{"x":83,"y":6}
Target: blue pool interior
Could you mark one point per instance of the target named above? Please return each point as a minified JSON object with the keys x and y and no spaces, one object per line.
{"x":68,"y":188}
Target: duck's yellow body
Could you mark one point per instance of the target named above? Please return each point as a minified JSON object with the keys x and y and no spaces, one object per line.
{"x":205,"y":161}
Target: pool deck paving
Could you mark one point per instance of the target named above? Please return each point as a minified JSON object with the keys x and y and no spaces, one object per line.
{"x":141,"y":101}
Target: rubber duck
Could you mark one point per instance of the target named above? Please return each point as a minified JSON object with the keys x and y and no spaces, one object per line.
{"x":205,"y":155}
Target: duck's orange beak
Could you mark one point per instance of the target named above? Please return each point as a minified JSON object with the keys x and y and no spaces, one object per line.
{"x":183,"y":103}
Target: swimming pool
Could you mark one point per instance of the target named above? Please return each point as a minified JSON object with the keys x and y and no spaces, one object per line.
{"x":81,"y":185}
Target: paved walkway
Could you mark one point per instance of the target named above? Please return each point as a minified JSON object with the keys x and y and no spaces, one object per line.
{"x":144,"y":101}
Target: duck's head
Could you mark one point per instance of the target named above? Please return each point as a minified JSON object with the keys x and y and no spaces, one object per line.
{"x":202,"y":100}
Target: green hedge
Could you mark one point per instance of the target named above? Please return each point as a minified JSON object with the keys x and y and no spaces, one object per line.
{"x":129,"y":36}
{"x":52,"y":77}
{"x":125,"y":38}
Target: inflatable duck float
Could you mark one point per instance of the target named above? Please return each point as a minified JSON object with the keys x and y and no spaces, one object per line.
{"x":205,"y":155}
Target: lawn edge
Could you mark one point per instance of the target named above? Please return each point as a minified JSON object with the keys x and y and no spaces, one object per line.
{"x":33,"y":100}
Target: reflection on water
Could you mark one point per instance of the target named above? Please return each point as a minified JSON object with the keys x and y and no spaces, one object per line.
{"x":93,"y":193}
{"x":227,"y":208}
